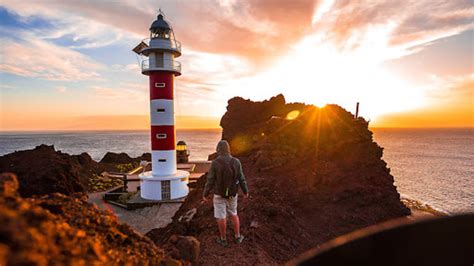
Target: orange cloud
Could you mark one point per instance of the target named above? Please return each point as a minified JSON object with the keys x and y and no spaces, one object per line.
{"x":39,"y":59}
{"x":413,"y":22}
{"x":285,"y":23}
{"x":254,"y":30}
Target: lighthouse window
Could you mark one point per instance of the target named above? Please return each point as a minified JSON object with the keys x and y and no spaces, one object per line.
{"x":160,"y":110}
{"x":161,"y":136}
{"x":160,"y":84}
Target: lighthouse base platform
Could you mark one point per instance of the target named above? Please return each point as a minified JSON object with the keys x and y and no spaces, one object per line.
{"x":166,"y":187}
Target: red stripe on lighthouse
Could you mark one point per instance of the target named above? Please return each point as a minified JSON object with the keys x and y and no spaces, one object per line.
{"x":161,"y":85}
{"x":163,"y":138}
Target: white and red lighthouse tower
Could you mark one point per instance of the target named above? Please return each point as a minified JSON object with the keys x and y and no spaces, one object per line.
{"x":164,"y":181}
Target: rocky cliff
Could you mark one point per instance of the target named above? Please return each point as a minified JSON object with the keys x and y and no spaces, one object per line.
{"x":313,"y":173}
{"x":44,"y":170}
{"x":123,"y":158}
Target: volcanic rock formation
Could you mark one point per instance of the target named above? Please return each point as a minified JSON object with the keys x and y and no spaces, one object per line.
{"x":65,"y":230}
{"x":122,"y":158}
{"x":44,"y":170}
{"x":313,"y":173}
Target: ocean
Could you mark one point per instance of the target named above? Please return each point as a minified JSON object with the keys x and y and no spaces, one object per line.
{"x":433,"y":166}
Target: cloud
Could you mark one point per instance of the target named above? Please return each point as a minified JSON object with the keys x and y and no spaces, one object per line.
{"x":456,"y":91}
{"x":434,"y":20}
{"x":206,"y":68}
{"x":409,"y":23}
{"x":98,"y":24}
{"x":116,"y":93}
{"x":36,"y":58}
{"x":7,"y":86}
{"x":254,"y":30}
{"x":61,"y":89}
{"x":259,"y":31}
{"x":132,"y":68}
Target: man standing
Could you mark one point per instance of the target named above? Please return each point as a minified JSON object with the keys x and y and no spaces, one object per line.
{"x":224,"y":178}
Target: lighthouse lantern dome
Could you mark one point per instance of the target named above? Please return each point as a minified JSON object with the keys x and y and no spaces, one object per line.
{"x":160,"y":28}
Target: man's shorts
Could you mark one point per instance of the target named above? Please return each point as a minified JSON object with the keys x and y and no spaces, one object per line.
{"x":224,"y":207}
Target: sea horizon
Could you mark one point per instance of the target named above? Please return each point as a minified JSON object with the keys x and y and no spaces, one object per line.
{"x":204,"y":129}
{"x":5,"y":132}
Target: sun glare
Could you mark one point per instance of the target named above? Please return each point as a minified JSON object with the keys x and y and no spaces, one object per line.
{"x":293,"y":115}
{"x":316,"y":72}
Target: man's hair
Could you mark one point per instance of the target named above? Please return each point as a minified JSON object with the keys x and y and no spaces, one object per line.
{"x":223,"y":147}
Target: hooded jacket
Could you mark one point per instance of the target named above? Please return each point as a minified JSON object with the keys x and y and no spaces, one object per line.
{"x":215,"y":172}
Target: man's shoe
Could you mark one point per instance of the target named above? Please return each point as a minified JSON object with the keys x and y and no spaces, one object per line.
{"x":222,"y":242}
{"x":239,"y":239}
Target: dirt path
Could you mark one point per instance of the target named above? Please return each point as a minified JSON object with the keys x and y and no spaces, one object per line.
{"x":142,"y":220}
{"x":145,"y":219}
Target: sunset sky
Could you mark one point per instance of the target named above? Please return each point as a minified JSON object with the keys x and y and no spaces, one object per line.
{"x":68,"y":65}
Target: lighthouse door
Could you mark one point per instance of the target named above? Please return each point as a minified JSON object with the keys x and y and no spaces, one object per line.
{"x":165,"y":190}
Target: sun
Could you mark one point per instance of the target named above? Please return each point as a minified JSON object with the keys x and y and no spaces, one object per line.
{"x":316,"y":72}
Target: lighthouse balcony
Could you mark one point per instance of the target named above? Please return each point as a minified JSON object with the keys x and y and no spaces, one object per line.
{"x":164,"y":65}
{"x":161,"y":44}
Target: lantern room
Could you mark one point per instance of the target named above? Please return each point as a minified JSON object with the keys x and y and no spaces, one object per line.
{"x":161,"y":29}
{"x":158,"y":52}
{"x":182,"y":152}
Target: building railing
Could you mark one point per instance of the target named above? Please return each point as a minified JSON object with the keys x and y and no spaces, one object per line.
{"x":169,"y":65}
{"x":174,"y":44}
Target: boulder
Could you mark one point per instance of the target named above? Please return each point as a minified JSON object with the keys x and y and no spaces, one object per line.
{"x":8,"y":185}
{"x":116,"y":158}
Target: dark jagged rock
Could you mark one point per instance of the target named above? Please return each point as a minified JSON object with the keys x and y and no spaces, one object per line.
{"x":60,"y":230}
{"x":123,"y":158}
{"x":144,"y":157}
{"x":116,"y":158}
{"x":313,"y":177}
{"x":44,"y":170}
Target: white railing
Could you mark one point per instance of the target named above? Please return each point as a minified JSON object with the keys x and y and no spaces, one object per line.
{"x":174,"y":44}
{"x":169,"y":65}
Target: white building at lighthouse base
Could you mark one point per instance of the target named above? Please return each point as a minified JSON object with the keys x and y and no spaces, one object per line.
{"x":165,"y":187}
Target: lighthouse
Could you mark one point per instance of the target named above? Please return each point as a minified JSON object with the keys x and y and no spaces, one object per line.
{"x":158,"y":53}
